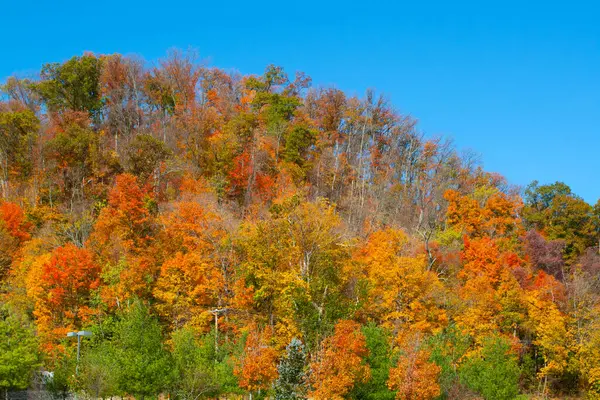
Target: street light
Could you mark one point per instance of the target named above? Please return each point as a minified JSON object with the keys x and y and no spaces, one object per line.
{"x":79,"y":335}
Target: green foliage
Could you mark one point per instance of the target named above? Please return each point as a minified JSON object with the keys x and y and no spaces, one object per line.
{"x":63,"y":372}
{"x":291,"y":383}
{"x":144,"y":155}
{"x":74,"y":85}
{"x":76,"y":154}
{"x":137,"y":351}
{"x":201,"y":370}
{"x":18,"y":351}
{"x":277,"y":106}
{"x":18,"y":130}
{"x":297,"y":143}
{"x":380,"y":360}
{"x":494,"y":373}
{"x":541,"y":197}
{"x":560,"y":214}
{"x":447,"y":349}
{"x":99,"y":371}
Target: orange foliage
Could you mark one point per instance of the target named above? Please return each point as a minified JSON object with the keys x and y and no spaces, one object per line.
{"x":489,"y":288}
{"x":415,"y":377}
{"x":122,"y":237}
{"x":403,"y":293}
{"x":257,"y":368}
{"x":340,"y":364}
{"x":498,"y":216}
{"x":14,"y":220}
{"x":62,"y":285}
{"x":126,"y":218}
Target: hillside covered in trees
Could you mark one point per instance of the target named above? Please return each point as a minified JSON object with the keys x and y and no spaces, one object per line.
{"x":225,"y":235}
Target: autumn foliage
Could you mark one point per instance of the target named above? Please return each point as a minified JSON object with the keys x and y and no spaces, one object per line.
{"x":226,"y":235}
{"x":340,"y":363}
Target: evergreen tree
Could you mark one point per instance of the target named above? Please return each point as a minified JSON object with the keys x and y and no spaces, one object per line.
{"x":290,"y":384}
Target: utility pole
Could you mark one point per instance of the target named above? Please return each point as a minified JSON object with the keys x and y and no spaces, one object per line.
{"x":216,"y":313}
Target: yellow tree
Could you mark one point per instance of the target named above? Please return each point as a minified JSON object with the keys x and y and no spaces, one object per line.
{"x":402,"y":294}
{"x":189,"y":285}
{"x":552,"y":336}
{"x":292,"y":263}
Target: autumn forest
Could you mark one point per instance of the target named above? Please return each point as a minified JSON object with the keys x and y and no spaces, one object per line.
{"x":224,"y":236}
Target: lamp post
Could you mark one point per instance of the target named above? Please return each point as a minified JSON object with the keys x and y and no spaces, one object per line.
{"x":79,"y":335}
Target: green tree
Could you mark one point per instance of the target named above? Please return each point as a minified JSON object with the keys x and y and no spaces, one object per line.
{"x":560,"y":214}
{"x":291,"y":382}
{"x":63,"y":371}
{"x":297,"y":142}
{"x":447,"y":349}
{"x":494,"y":373}
{"x":380,"y":360}
{"x":74,"y":85}
{"x":99,"y":371}
{"x":198,"y":367}
{"x":143,"y":364}
{"x":18,"y":351}
{"x":18,"y":130}
{"x":76,"y":153}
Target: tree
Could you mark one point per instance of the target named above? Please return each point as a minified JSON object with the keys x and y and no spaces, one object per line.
{"x":122,"y":235}
{"x":75,"y":150}
{"x":74,"y":85}
{"x":380,"y":360}
{"x":492,"y":297}
{"x":18,"y":131}
{"x":402,"y":293}
{"x":121,"y":83}
{"x":495,"y":214}
{"x":19,"y":355}
{"x":143,"y":364}
{"x":63,"y":284}
{"x":145,"y":155}
{"x":99,"y":371}
{"x":546,"y":255}
{"x":198,"y":367}
{"x":291,"y":381}
{"x":553,"y":338}
{"x":14,"y":231}
{"x":560,"y":214}
{"x":415,"y":377}
{"x":340,"y":364}
{"x":257,"y":368}
{"x":187,"y":287}
{"x":293,"y":263}
{"x":193,"y":277}
{"x":494,"y":372}
{"x":447,"y":349}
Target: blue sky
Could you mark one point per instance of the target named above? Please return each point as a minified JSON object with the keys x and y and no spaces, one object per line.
{"x":516,"y":81}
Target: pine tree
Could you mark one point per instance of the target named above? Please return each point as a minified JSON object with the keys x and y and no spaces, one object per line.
{"x":291,"y":382}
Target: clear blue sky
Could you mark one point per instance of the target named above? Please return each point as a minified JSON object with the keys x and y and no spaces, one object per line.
{"x":516,"y":81}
